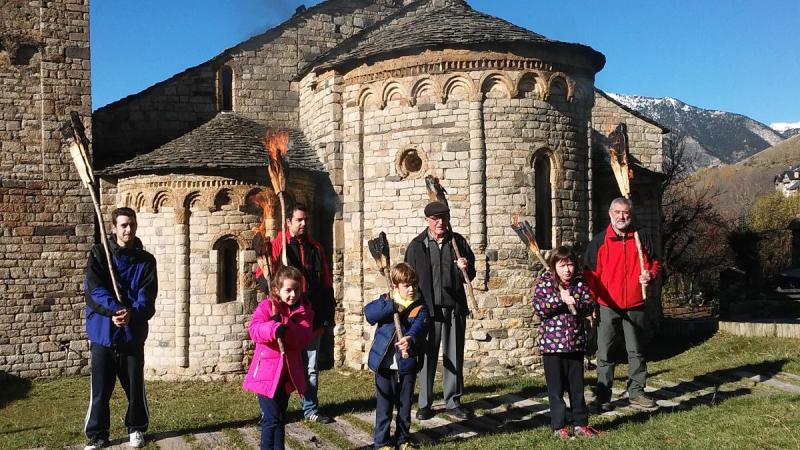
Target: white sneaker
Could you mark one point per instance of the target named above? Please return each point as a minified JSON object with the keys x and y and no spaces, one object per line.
{"x":137,"y":439}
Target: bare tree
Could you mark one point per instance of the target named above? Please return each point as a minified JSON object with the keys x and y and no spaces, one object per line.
{"x":693,"y":229}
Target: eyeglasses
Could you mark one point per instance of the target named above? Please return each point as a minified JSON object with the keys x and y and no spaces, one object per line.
{"x":438,"y":218}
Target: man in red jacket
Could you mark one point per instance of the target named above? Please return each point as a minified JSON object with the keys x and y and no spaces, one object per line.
{"x":617,"y":280}
{"x":308,"y":256}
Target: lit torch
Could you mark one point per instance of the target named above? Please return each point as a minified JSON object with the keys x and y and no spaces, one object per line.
{"x":277,"y":143}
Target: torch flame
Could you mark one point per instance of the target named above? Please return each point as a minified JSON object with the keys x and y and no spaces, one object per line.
{"x":277,"y":143}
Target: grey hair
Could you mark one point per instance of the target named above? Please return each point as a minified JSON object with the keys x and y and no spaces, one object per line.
{"x":621,"y":201}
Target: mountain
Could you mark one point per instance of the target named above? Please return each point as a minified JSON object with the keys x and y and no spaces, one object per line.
{"x":711,"y":138}
{"x":738,"y":185}
{"x":790,"y":132}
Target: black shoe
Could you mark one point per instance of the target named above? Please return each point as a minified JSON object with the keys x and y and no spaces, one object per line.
{"x":319,"y":418}
{"x":600,"y":406}
{"x":459,"y":413}
{"x":424,"y":413}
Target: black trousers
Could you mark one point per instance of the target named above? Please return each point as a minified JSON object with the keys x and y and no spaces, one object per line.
{"x":390,"y":394}
{"x":564,"y":371}
{"x":125,"y":362}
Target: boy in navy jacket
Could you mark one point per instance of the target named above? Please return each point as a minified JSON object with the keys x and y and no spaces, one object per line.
{"x":395,"y":374}
{"x":117,"y":328}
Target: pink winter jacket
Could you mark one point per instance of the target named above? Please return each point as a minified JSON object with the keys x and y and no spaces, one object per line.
{"x":268,"y":365}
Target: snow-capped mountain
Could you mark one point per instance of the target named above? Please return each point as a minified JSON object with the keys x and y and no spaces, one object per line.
{"x":786,"y":129}
{"x":711,"y":137}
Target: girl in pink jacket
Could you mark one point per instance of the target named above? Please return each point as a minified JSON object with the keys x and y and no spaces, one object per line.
{"x":281,"y":329}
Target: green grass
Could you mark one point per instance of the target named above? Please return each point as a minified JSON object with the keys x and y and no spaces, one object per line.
{"x":50,"y":413}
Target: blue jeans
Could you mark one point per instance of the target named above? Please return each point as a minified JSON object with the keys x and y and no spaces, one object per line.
{"x":310,"y":401}
{"x":273,"y":419}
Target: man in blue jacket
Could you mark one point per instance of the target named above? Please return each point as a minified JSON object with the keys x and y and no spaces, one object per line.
{"x":117,"y":328}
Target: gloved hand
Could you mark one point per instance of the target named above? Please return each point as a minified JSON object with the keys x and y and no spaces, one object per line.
{"x":276,"y":317}
{"x":280,"y":331}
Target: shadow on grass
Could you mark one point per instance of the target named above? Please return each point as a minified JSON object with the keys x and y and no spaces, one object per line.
{"x":14,"y":388}
{"x":702,"y":390}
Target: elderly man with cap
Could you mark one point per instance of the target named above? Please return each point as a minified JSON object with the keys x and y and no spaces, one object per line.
{"x":441,"y":285}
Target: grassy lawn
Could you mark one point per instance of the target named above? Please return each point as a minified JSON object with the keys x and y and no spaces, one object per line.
{"x":50,"y":413}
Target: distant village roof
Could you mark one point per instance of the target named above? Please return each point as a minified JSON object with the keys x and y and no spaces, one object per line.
{"x":437,"y":24}
{"x":793,"y":174}
{"x":228,"y":141}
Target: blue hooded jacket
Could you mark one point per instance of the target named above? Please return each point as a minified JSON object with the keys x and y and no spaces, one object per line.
{"x":138,"y":285}
{"x":412,"y":321}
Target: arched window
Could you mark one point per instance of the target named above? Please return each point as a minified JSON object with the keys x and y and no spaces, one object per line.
{"x":227,"y":273}
{"x":225,"y":88}
{"x":543,"y":201}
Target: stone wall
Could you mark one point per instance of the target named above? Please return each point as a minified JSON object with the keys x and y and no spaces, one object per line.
{"x":647,"y":142}
{"x":47,"y":226}
{"x":182,"y":219}
{"x":263,"y":69}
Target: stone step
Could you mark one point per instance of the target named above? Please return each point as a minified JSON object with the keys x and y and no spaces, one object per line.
{"x":308,"y":438}
{"x":355,"y":436}
{"x":173,"y":443}
{"x":251,"y":436}
{"x":212,"y":440}
{"x":769,"y":381}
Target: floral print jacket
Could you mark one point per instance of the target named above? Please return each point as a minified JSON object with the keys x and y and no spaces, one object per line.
{"x":560,"y":331}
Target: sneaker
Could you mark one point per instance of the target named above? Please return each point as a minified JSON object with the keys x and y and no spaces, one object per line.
{"x":386,"y":447}
{"x":424,"y":413}
{"x":585,"y":432}
{"x":319,"y":418}
{"x":137,"y":439}
{"x":96,"y":443}
{"x":562,"y":433}
{"x":407,"y":446}
{"x":459,"y":413}
{"x":642,"y":401}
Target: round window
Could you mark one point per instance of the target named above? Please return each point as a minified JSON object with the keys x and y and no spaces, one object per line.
{"x":410,"y":163}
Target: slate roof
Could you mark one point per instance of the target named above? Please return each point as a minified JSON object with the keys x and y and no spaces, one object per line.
{"x":228,"y":141}
{"x":429,"y":24}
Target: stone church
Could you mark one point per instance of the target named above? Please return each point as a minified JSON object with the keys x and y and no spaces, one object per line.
{"x":375,"y":94}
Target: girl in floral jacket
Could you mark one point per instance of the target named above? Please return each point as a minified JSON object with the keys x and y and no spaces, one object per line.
{"x":281,"y":330}
{"x":562,"y":340}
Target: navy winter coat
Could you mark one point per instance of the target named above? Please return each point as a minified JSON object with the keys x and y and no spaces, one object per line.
{"x":138,"y":284}
{"x":412,"y":321}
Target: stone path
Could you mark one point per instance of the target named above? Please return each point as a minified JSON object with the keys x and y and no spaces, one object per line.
{"x":494,"y":414}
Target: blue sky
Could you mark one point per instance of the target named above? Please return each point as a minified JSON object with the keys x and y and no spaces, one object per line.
{"x":740,"y":56}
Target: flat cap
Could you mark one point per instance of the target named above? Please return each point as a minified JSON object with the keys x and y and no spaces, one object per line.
{"x":436,"y":209}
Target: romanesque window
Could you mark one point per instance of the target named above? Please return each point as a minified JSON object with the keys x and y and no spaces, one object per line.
{"x":543,"y":201}
{"x":227,"y":273}
{"x":225,"y":88}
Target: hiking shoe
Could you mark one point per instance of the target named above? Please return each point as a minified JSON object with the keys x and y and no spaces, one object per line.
{"x":562,"y":433}
{"x":137,"y":439}
{"x":642,"y":401}
{"x":585,"y":432}
{"x":319,"y":418}
{"x":96,"y":443}
{"x":424,"y":413}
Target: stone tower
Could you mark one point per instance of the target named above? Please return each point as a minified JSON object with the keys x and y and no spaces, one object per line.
{"x":47,"y":221}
